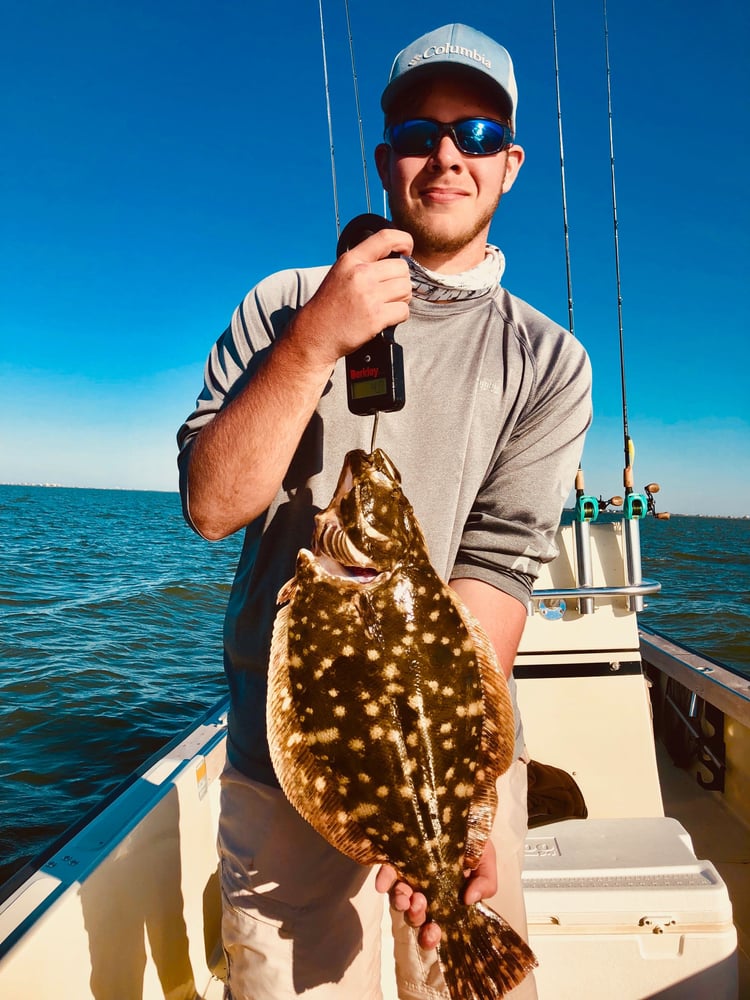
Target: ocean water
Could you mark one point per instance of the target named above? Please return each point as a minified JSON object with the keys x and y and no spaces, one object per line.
{"x":110,"y":636}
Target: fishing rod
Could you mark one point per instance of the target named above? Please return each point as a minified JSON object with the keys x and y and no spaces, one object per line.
{"x":358,"y":106}
{"x":636,"y":505}
{"x":586,"y":507}
{"x":375,"y":371}
{"x":330,"y":120}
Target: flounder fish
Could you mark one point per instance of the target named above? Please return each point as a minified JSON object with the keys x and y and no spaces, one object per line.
{"x":389,"y":719}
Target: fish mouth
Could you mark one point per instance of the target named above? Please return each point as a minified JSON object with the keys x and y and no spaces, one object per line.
{"x":354,"y":574}
{"x":338,"y":557}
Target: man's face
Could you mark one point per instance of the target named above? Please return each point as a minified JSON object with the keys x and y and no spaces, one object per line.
{"x":447,"y":199}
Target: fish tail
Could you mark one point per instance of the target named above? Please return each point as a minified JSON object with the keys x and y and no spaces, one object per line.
{"x":482,"y":957}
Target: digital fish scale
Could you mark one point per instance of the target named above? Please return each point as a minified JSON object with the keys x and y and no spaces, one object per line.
{"x":375,"y":371}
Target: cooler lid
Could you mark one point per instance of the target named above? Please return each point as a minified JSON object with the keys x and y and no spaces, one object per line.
{"x":634,"y":872}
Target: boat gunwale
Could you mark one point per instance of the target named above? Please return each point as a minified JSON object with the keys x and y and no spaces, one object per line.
{"x":713,"y":681}
{"x":34,"y":865}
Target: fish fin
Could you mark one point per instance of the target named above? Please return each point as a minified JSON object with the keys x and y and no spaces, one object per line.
{"x":287,"y":591}
{"x":481,"y":956}
{"x":496,"y":748}
{"x":308,"y":783}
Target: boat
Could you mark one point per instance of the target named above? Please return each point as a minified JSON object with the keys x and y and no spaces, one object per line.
{"x":647,"y":895}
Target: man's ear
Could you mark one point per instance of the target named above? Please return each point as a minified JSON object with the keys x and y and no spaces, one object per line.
{"x":383,"y":154}
{"x":515,"y":157}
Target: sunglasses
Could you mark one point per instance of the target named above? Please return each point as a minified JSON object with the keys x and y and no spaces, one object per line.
{"x":472,"y":136}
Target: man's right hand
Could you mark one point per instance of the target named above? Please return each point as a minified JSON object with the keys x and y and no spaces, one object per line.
{"x":365,"y":291}
{"x":238,"y":460}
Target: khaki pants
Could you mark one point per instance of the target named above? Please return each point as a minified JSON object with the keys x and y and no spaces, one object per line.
{"x":301,"y":920}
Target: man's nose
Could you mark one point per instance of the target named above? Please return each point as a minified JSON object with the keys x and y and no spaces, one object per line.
{"x":446,"y":155}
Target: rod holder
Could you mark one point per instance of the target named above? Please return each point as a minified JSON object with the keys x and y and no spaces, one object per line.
{"x":634,"y":573}
{"x":584,"y":571}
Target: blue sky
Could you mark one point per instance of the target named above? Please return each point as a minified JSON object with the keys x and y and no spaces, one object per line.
{"x":161,"y":157}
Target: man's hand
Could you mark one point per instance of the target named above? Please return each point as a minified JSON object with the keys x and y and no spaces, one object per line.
{"x":365,"y":291}
{"x":239,"y":459}
{"x":480,"y":884}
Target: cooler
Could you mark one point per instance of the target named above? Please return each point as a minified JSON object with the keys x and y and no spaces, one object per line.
{"x":621,"y":909}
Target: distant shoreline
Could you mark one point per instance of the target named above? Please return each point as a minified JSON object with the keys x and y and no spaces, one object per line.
{"x":139,"y":489}
{"x":115,"y":489}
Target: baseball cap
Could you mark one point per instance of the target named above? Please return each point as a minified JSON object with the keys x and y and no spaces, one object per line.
{"x":454,"y":45}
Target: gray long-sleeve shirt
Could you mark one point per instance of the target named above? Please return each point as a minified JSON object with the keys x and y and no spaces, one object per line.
{"x":488,"y":443}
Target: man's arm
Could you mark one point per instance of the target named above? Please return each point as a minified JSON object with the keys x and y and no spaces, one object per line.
{"x":239,"y":459}
{"x":501,"y":616}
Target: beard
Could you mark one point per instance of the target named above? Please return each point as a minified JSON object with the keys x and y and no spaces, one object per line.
{"x":429,"y":240}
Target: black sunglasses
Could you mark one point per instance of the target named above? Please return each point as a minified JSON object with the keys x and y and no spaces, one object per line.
{"x":473,"y":136}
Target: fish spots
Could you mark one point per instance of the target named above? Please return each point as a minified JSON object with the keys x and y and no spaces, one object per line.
{"x":384,"y":742}
{"x":426,"y":794}
{"x":365,"y":810}
{"x":324,"y":736}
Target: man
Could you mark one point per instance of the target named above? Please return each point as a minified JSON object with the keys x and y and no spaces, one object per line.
{"x":487,"y":445}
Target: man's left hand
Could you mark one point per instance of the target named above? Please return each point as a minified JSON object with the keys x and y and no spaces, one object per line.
{"x":481,"y":883}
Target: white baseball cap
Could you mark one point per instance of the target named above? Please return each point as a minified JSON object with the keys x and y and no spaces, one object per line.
{"x":455,"y":45}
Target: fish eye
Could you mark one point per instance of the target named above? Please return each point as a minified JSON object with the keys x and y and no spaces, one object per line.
{"x":381,"y":479}
{"x":389,"y":470}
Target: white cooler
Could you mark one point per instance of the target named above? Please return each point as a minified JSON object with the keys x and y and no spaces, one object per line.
{"x":621,"y":909}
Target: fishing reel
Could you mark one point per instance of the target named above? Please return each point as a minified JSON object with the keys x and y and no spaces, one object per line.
{"x":651,"y":503}
{"x":613,"y":502}
{"x":639,"y":505}
{"x":586,"y":509}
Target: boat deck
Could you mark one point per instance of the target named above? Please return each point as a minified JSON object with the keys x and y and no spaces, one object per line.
{"x":718,"y":834}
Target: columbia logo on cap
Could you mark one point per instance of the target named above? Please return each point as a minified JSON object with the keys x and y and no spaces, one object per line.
{"x":441,"y":50}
